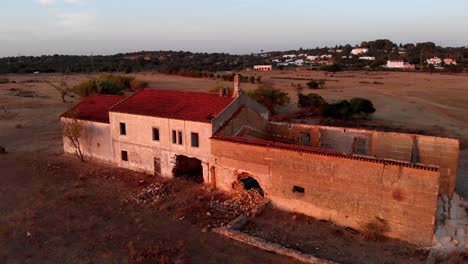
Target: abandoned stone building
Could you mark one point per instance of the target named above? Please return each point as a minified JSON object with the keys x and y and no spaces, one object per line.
{"x":348,"y":176}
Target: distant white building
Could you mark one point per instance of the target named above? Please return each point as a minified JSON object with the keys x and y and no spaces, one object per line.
{"x":358,"y":51}
{"x":311,"y":58}
{"x":326,"y":56}
{"x":434,"y":61}
{"x":367,"y":58}
{"x":399,"y":64}
{"x":449,"y":61}
{"x":289,"y":56}
{"x":299,"y":62}
{"x":262,"y":67}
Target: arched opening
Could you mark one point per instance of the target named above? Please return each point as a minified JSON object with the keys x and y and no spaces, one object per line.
{"x":188,"y":168}
{"x":247,"y":182}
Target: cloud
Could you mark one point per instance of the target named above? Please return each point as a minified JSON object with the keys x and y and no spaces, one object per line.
{"x":76,"y":20}
{"x":45,"y":2}
{"x":73,"y":1}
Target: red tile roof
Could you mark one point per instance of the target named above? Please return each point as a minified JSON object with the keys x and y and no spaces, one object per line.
{"x":192,"y":106}
{"x":94,"y":108}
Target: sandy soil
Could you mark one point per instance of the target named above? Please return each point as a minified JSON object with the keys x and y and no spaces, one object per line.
{"x":326,"y":240}
{"x":29,"y":129}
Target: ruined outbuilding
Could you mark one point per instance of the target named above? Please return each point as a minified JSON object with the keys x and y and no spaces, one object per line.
{"x":348,"y":176}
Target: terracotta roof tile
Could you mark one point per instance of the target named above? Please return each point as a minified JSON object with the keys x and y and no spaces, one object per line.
{"x":183,"y":105}
{"x":94,"y":108}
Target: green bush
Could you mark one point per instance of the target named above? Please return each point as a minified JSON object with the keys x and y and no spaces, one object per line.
{"x":310,"y":100}
{"x":122,"y":80}
{"x":362,"y":106}
{"x":270,"y":97}
{"x":136,"y":85}
{"x":100,"y":86}
{"x":331,"y":68}
{"x":313,"y":84}
{"x":4,"y":80}
{"x":341,"y":110}
{"x":218,"y":87}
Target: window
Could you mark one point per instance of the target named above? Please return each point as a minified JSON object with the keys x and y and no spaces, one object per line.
{"x":155,"y":134}
{"x":305,"y":139}
{"x":360,"y":146}
{"x":194,"y":137}
{"x":124,"y":155}
{"x":180,"y":138}
{"x":123,"y":129}
{"x":298,"y":189}
{"x":174,"y":137}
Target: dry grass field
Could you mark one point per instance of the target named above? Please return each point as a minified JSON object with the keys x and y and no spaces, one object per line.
{"x":435,"y":104}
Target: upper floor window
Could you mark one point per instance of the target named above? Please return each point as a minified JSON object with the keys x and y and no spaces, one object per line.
{"x":194,"y":137}
{"x":305,"y":139}
{"x":123,"y":129}
{"x":174,"y":137}
{"x":156,"y":134}
{"x":180,"y":138}
{"x":360,"y":146}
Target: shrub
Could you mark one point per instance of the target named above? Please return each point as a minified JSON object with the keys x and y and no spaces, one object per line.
{"x":310,"y":100}
{"x":375,"y":229}
{"x":136,"y":85}
{"x":362,"y":106}
{"x":341,"y":110}
{"x":313,"y":84}
{"x":270,"y":97}
{"x":122,"y":80}
{"x":4,"y":80}
{"x":101,"y":86}
{"x":218,"y":87}
{"x":331,"y":68}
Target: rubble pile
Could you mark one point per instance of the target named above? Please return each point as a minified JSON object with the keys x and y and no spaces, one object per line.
{"x":155,"y":192}
{"x":241,"y":202}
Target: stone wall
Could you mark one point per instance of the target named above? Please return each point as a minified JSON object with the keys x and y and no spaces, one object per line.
{"x":246,"y":122}
{"x":347,"y":191}
{"x":432,"y":151}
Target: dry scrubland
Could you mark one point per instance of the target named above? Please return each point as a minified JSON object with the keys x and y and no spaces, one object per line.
{"x":33,"y":203}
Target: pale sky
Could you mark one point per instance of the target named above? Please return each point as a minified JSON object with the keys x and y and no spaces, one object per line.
{"x":37,"y":27}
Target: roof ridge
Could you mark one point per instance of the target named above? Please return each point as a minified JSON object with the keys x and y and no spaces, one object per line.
{"x":126,"y":98}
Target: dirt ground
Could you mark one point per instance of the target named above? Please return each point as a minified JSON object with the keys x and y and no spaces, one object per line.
{"x":326,"y":240}
{"x":71,"y":218}
{"x":53,"y":209}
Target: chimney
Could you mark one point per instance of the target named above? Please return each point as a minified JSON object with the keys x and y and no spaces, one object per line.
{"x":237,"y":90}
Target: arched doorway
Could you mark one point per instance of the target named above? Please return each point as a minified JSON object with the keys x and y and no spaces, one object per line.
{"x":188,"y":168}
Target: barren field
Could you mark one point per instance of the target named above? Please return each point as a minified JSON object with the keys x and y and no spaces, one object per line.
{"x":53,"y":214}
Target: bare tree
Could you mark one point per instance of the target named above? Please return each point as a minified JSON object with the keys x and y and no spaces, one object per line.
{"x":72,"y":129}
{"x":63,"y":89}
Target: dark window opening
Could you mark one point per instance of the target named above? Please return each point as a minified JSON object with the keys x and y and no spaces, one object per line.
{"x":360,"y":146}
{"x":155,"y":134}
{"x":174,"y":137}
{"x":305,"y":139}
{"x":180,"y":137}
{"x":188,"y":168}
{"x":124,"y":155}
{"x":249,"y":183}
{"x":123,"y":129}
{"x":194,"y":137}
{"x":298,"y":189}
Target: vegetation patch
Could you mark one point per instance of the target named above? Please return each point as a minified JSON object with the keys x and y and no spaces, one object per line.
{"x":375,"y":229}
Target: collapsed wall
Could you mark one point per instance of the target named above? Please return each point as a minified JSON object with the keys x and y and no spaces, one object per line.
{"x":347,"y":191}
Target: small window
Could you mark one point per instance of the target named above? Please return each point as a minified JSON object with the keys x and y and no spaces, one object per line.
{"x":194,"y":137}
{"x":174,"y":137}
{"x":305,"y":139}
{"x":124,"y":155}
{"x":360,"y":146}
{"x":298,"y":189}
{"x":123,"y":129}
{"x":155,"y":134}
{"x":180,"y":138}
